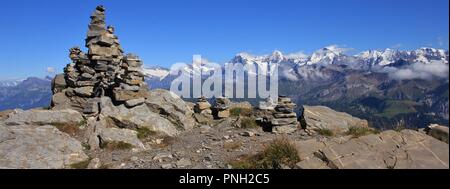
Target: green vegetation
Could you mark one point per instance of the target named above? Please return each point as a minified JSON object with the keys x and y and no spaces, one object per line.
{"x":276,"y":154}
{"x":325,"y":132}
{"x":236,"y":112}
{"x":395,"y":107}
{"x":116,"y":145}
{"x":81,"y":165}
{"x":356,"y":132}
{"x":248,"y":123}
{"x":143,"y":133}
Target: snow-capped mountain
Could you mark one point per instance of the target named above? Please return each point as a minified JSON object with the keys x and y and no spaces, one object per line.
{"x":10,"y":82}
{"x":335,"y":55}
{"x":156,"y":72}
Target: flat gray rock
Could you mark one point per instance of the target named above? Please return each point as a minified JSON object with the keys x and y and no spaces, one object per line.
{"x":33,"y":147}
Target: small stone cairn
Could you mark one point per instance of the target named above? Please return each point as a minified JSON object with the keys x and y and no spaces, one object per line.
{"x":203,"y":106}
{"x":221,"y":108}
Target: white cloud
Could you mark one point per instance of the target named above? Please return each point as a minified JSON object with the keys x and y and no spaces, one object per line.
{"x":421,"y":71}
{"x":339,"y":48}
{"x":50,"y":70}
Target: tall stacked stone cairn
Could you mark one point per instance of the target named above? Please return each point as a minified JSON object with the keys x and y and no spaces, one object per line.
{"x":103,"y":72}
{"x":221,"y":108}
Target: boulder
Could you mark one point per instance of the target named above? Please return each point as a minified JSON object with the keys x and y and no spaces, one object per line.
{"x":321,"y":117}
{"x":223,"y":114}
{"x":32,"y":147}
{"x":84,"y":91}
{"x":120,"y":135}
{"x":134,"y":102}
{"x":45,"y":117}
{"x":124,"y":95}
{"x":171,"y":107}
{"x":61,"y":101}
{"x":137,"y":117}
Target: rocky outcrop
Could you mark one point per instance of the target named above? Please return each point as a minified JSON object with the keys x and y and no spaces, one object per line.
{"x":321,"y":117}
{"x":101,"y":131}
{"x":171,"y":107}
{"x":141,"y":116}
{"x":44,"y":117}
{"x":33,"y":147}
{"x":407,"y":149}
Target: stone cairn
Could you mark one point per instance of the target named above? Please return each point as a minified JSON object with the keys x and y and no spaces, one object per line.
{"x":279,"y":117}
{"x":203,"y":106}
{"x":103,"y":72}
{"x":284,"y":114}
{"x":221,"y":108}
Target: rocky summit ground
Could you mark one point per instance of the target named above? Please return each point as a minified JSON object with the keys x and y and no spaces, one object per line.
{"x":64,"y":139}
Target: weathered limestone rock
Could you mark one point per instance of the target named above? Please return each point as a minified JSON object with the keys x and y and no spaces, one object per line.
{"x":407,"y":149}
{"x":171,"y":107}
{"x":33,"y":147}
{"x":138,"y":117}
{"x":321,"y":117}
{"x":45,"y":117}
{"x":134,"y":102}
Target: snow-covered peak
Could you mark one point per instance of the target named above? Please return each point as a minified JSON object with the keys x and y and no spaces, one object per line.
{"x":428,"y":55}
{"x":325,"y":55}
{"x":276,"y":57}
{"x":156,"y":72}
{"x":10,"y":82}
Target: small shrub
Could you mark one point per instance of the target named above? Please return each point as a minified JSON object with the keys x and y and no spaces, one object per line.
{"x":236,"y":112}
{"x":277,"y":153}
{"x":248,"y":123}
{"x":115,"y":145}
{"x":82,"y":123}
{"x":356,"y":132}
{"x":325,"y":132}
{"x":80,"y":165}
{"x":144,"y":133}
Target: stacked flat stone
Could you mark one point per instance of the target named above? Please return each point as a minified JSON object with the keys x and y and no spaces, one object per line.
{"x":284,"y":118}
{"x":103,"y":72}
{"x":221,"y":108}
{"x":202,"y":106}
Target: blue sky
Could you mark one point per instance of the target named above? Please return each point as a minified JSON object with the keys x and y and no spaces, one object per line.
{"x":37,"y":34}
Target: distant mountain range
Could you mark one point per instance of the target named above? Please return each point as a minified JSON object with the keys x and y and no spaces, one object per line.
{"x":389,"y":88}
